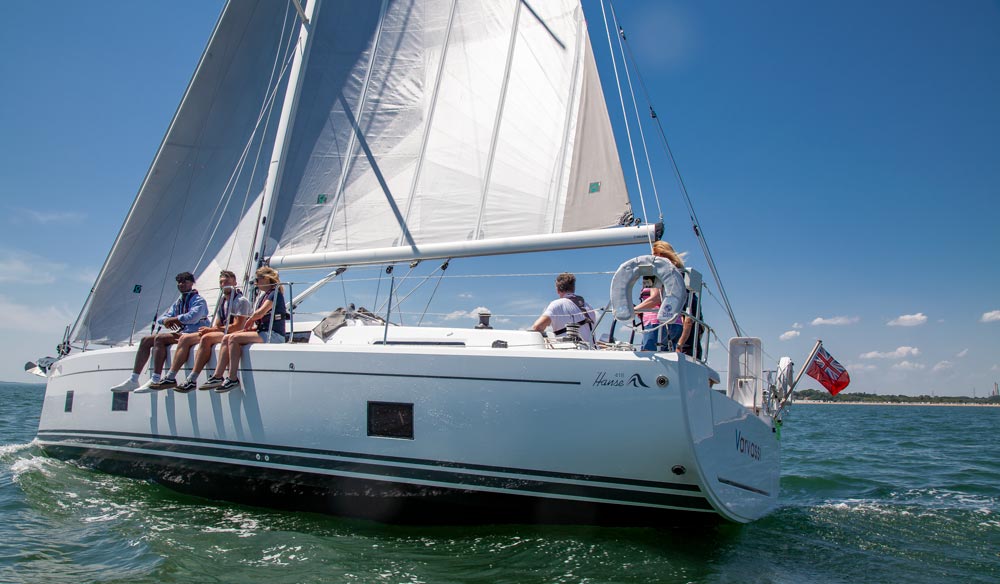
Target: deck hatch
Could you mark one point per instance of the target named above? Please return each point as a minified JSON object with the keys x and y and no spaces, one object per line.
{"x":390,"y":420}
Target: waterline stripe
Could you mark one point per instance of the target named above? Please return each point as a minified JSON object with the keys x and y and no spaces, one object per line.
{"x":61,"y":434}
{"x":454,"y":480}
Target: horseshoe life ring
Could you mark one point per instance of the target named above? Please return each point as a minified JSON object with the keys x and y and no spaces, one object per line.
{"x":673,"y":295}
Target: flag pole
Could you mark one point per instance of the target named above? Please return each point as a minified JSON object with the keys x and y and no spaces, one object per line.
{"x":808,"y":361}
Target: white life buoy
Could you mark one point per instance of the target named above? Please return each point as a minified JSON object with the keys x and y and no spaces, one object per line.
{"x":673,"y":292}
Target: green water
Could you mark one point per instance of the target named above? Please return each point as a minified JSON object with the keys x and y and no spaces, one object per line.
{"x":869,"y":494}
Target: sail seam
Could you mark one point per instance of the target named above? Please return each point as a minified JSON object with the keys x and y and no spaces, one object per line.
{"x":478,"y":233}
{"x":352,"y":143}
{"x":572,"y":105}
{"x":430,"y":119}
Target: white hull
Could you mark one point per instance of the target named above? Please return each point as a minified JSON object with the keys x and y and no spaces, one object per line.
{"x":572,"y":434}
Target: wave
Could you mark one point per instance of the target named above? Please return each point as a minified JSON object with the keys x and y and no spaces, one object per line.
{"x":8,"y":449}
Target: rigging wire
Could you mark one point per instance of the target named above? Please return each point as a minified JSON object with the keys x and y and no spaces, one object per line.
{"x":696,"y":226}
{"x":343,"y":286}
{"x":255,"y":243}
{"x":267,"y":108}
{"x":635,"y":109}
{"x":394,"y":288}
{"x":628,"y":131}
{"x":378,"y":288}
{"x":444,"y":267}
{"x":260,"y":148}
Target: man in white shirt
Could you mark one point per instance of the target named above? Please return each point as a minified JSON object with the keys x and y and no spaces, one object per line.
{"x":567,"y":309}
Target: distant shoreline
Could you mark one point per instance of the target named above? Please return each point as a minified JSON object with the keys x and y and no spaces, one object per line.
{"x":856,"y":403}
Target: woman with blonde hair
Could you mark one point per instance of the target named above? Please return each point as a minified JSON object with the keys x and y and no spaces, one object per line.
{"x":653,"y":338}
{"x":265,"y":325}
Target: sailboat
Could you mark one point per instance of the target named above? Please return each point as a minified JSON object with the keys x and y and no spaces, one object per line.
{"x":333,"y":135}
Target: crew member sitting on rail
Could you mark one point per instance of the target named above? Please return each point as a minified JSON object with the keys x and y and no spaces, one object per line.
{"x":231,"y":314}
{"x":265,"y":325}
{"x":187,"y":315}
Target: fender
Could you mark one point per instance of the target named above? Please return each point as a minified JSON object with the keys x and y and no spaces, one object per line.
{"x":673,"y":291}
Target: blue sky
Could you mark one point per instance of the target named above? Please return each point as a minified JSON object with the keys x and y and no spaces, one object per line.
{"x":842,"y":157}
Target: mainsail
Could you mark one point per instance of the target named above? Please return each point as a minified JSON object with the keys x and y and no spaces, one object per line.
{"x":407,"y":123}
{"x":439,"y":121}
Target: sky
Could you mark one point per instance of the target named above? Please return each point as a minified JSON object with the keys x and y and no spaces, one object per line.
{"x":842,"y":158}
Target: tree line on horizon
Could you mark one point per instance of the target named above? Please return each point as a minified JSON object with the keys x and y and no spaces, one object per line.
{"x":817,"y":395}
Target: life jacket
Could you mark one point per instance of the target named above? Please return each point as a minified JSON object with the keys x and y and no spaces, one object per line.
{"x":582,"y":305}
{"x":222,"y":313}
{"x":183,"y":303}
{"x":275,"y":320}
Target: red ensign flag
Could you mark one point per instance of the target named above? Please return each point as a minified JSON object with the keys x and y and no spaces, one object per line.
{"x":825,"y":369}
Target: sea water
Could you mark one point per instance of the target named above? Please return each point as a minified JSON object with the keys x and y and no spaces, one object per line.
{"x":868,"y":494}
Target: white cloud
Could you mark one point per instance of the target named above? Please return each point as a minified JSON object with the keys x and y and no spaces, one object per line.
{"x":21,"y":267}
{"x":465,"y":296}
{"x":788,"y":335}
{"x":942,"y":366}
{"x":796,"y":325}
{"x":457,"y":314}
{"x":861,"y":367}
{"x":991,"y":316}
{"x":46,"y":217}
{"x":909,"y":320}
{"x":87,"y":276}
{"x":908,"y":366}
{"x":899,"y":353}
{"x":962,"y":353}
{"x":21,"y":317}
{"x":836,"y":320}
{"x":474,"y":313}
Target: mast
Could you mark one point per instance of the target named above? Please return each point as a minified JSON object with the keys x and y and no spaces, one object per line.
{"x":285,"y":123}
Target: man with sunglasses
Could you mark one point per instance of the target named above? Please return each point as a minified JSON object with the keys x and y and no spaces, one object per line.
{"x":186,"y":315}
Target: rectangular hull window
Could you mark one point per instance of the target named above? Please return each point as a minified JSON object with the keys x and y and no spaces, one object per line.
{"x":390,"y":420}
{"x":69,"y":401}
{"x":119,"y":402}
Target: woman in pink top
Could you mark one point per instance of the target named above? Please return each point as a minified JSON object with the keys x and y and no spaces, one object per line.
{"x":649,"y":302}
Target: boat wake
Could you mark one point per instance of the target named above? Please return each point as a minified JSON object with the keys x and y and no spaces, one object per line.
{"x":9,"y":449}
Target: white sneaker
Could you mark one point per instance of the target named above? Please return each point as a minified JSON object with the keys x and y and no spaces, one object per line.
{"x":126,"y":386}
{"x":144,"y":388}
